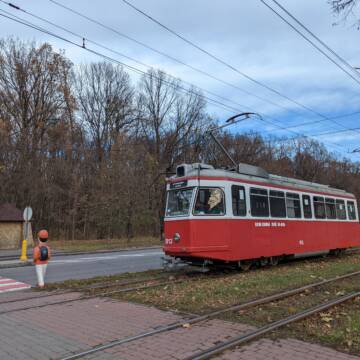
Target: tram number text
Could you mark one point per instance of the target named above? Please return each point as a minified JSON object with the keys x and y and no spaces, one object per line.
{"x":168,"y":241}
{"x":270,"y":224}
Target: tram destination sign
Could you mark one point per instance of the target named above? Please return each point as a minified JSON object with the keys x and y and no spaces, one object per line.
{"x":178,"y":185}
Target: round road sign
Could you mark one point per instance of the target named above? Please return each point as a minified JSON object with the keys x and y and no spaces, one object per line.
{"x":28,"y":213}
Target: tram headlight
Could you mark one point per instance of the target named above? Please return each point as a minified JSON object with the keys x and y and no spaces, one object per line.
{"x":176,"y":237}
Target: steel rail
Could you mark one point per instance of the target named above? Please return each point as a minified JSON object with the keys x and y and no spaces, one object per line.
{"x":86,"y":297}
{"x":238,"y":340}
{"x":200,"y":318}
{"x":85,"y":288}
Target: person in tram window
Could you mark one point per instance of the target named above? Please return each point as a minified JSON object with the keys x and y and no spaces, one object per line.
{"x":215,"y":202}
{"x":209,"y":202}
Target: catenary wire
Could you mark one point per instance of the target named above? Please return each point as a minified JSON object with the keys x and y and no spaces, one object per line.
{"x":311,"y":33}
{"x":218,"y":59}
{"x":222,"y":61}
{"x":27,"y":23}
{"x":310,"y":41}
{"x":200,"y":71}
{"x":115,"y":31}
{"x":135,"y":60}
{"x":132,"y":68}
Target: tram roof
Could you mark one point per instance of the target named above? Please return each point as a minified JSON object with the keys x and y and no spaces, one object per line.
{"x":253,"y":173}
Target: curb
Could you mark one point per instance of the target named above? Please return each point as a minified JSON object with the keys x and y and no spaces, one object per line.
{"x":68,"y":253}
{"x":15,"y":265}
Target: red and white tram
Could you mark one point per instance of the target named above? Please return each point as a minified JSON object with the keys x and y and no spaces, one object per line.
{"x":238,"y":217}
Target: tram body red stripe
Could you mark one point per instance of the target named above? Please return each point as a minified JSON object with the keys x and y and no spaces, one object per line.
{"x":233,"y":239}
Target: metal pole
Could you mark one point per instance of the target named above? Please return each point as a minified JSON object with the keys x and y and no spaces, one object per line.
{"x":222,"y":148}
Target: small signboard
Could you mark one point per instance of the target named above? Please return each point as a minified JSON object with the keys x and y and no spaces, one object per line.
{"x":178,"y":185}
{"x":27,"y":215}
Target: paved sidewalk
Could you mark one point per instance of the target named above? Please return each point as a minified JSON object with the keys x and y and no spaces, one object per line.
{"x":284,"y":349}
{"x":58,"y":330}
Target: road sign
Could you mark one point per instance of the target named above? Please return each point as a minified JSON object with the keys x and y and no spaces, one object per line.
{"x":28,"y":213}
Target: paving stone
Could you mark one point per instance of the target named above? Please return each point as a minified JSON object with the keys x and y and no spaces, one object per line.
{"x":266,"y":349}
{"x":52,"y":332}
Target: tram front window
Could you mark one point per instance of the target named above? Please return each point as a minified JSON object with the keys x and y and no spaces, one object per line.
{"x":178,"y":202}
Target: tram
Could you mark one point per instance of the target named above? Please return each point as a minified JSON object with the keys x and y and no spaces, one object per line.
{"x":246,"y":215}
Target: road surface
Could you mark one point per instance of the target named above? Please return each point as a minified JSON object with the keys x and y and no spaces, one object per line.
{"x":86,"y":266}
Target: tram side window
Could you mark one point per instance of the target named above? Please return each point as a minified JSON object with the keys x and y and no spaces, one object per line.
{"x":259,"y":202}
{"x":319,"y":207}
{"x":330,"y":208}
{"x":351,"y":210}
{"x":209,"y":201}
{"x":307,"y":206}
{"x":293,"y":205}
{"x":238,"y":200}
{"x":340,"y":209}
{"x":277,"y":204}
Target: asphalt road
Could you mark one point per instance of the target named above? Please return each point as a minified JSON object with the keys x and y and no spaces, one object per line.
{"x":68,"y":267}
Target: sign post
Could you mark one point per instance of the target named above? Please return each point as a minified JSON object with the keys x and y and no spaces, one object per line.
{"x":27,"y":215}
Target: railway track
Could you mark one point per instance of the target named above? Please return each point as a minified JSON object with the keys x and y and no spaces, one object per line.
{"x":85,"y":288}
{"x":240,"y":339}
{"x":91,"y":296}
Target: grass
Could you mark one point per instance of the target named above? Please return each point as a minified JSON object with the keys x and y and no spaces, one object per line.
{"x":208,"y":294}
{"x":81,"y":283}
{"x":105,"y":244}
{"x":340,"y":330}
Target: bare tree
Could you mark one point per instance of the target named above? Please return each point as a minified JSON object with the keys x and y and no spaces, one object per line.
{"x":105,"y":100}
{"x":344,"y":8}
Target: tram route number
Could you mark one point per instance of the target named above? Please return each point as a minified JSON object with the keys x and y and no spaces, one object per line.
{"x":270,"y":224}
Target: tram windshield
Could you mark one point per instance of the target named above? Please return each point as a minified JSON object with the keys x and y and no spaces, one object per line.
{"x":178,"y":202}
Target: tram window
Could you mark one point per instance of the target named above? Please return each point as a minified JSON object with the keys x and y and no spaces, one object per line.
{"x":178,"y":202}
{"x":330,"y":208}
{"x":277,"y":204}
{"x":238,"y":200}
{"x":259,"y":202}
{"x":293,"y":205}
{"x":340,"y":209}
{"x":209,"y":201}
{"x":351,"y":210}
{"x":307,"y":206}
{"x":319,"y":207}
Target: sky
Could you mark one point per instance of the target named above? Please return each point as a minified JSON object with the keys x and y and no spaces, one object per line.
{"x":244,"y":34}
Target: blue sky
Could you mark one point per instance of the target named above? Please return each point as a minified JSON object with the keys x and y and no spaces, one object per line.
{"x":243,"y":33}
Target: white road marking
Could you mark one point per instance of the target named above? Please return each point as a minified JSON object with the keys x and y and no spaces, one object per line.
{"x":110,"y":257}
{"x":12,"y":285}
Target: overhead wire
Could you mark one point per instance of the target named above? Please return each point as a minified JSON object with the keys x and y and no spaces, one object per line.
{"x":121,"y":34}
{"x":312,"y":43}
{"x":312,"y":34}
{"x":122,"y":54}
{"x":162,"y":53}
{"x":132,"y":68}
{"x":87,"y":40}
{"x":218,"y":59}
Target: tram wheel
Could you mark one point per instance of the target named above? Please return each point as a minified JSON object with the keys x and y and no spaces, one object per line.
{"x":245,"y":265}
{"x":274,"y":260}
{"x":264,"y":261}
{"x":334,"y":252}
